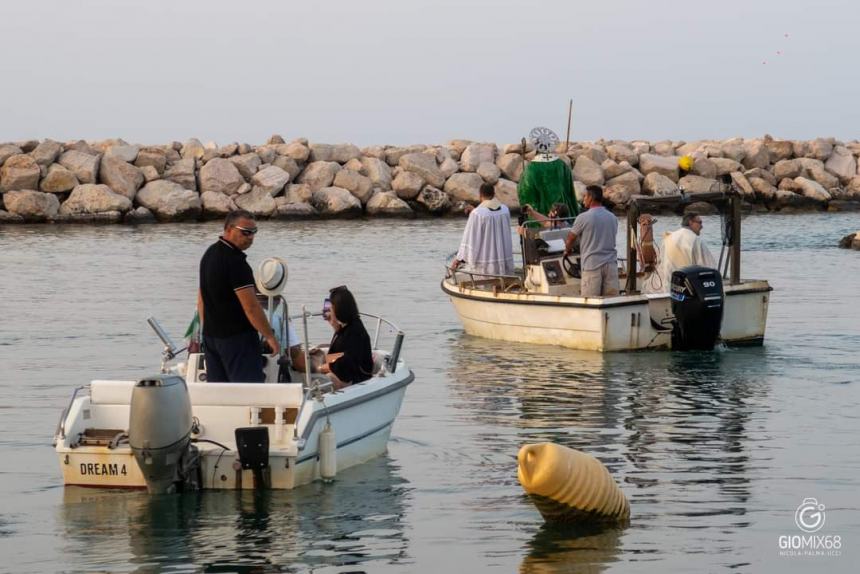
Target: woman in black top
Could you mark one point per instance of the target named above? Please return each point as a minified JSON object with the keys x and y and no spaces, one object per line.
{"x":349,"y":358}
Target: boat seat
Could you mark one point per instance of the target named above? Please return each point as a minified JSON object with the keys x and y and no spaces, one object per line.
{"x":208,"y":394}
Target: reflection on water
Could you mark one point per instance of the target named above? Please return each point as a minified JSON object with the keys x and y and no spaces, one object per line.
{"x":356,"y":521}
{"x":714,"y":450}
{"x":571,"y":550}
{"x":671,"y":428}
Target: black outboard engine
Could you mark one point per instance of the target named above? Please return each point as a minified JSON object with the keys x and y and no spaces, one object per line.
{"x":697,"y":303}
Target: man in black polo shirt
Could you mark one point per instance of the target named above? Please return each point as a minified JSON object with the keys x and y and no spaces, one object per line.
{"x":228,"y":307}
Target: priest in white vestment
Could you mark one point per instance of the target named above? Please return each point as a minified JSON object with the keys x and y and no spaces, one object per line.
{"x":684,"y":247}
{"x":486,"y":247}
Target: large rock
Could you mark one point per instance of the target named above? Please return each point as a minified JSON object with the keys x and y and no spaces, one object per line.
{"x":762,"y":173}
{"x":734,"y":149}
{"x":622,"y":152}
{"x":267,"y":153}
{"x":378,"y":171}
{"x":216,"y":205}
{"x":357,"y":184}
{"x":725,"y":165}
{"x":850,"y":241}
{"x":424,"y":165}
{"x":120,"y":176}
{"x":192,"y":149}
{"x":6,"y":217}
{"x":842,"y":164}
{"x":698,"y":184}
{"x":664,"y":165}
{"x":83,"y":165}
{"x":289,"y":165}
{"x":778,"y":150}
{"x":743,"y":185}
{"x":375,"y":151}
{"x":434,"y":200}
{"x":511,"y":166}
{"x":294,"y":210}
{"x":319,"y":174}
{"x":170,"y":201}
{"x":622,"y":187}
{"x":820,"y":148}
{"x":219,"y":175}
{"x":705,"y":167}
{"x":756,"y":154}
{"x":58,"y":180}
{"x":395,"y":153}
{"x":464,"y":187}
{"x":125,"y":152}
{"x":271,"y":179}
{"x":19,"y":172}
{"x":814,"y":169}
{"x":663,"y":148}
{"x":449,"y":167}
{"x":247,"y":164}
{"x":588,"y":171}
{"x":258,"y":201}
{"x":787,"y":168}
{"x":149,"y":173}
{"x":340,"y":153}
{"x":812,"y":189}
{"x":407,"y":185}
{"x":31,"y":205}
{"x":386,"y":203}
{"x":7,"y":151}
{"x":659,"y":185}
{"x":296,"y":151}
{"x":183,"y":173}
{"x":763,"y":188}
{"x":154,"y":157}
{"x":47,"y":152}
{"x":297,"y":193}
{"x":335,"y":201}
{"x":475,"y":154}
{"x":94,"y":198}
{"x":506,"y":192}
{"x":489,"y":172}
{"x":612,"y":169}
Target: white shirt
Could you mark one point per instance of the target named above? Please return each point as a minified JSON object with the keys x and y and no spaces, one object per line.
{"x":680,"y":249}
{"x":486,"y":246}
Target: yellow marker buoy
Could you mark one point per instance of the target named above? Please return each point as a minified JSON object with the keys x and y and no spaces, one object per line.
{"x":568,"y":485}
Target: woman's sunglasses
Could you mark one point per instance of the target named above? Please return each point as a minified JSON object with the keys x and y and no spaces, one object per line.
{"x":245,"y":231}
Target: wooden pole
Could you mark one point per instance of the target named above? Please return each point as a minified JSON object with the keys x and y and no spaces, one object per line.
{"x":632,"y":219}
{"x":569,"y":116}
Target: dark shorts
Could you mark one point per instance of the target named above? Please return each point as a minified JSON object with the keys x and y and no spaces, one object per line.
{"x":236,"y":359}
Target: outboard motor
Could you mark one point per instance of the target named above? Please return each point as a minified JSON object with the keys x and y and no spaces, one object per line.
{"x":159,"y":433}
{"x":697,"y":303}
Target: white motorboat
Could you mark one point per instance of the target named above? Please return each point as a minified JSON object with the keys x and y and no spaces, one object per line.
{"x":175,"y":430}
{"x":542,"y":302}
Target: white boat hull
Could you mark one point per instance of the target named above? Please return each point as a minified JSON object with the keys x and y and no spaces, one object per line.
{"x":362,"y":416}
{"x":622,"y":323}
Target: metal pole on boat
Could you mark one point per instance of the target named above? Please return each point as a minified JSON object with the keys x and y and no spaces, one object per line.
{"x":307,"y":348}
{"x":735,"y":277}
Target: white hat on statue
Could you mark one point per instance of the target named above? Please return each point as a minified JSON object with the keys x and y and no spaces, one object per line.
{"x":271,"y":276}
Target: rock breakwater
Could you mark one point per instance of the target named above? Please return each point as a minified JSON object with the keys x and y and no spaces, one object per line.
{"x":114,"y":181}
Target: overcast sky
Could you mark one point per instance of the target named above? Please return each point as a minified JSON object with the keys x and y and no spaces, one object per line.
{"x":422,"y":71}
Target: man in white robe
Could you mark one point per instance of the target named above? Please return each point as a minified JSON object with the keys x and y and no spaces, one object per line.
{"x":684,"y":247}
{"x":486,"y":247}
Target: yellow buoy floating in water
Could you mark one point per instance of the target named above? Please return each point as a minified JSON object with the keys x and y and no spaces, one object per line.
{"x":568,"y":485}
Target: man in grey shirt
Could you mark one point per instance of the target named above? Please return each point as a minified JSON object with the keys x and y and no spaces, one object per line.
{"x":596,"y":229}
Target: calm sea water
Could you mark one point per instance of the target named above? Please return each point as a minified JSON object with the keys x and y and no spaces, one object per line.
{"x":714,"y":450}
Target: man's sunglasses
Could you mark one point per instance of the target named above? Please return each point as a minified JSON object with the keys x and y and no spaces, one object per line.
{"x":245,"y":231}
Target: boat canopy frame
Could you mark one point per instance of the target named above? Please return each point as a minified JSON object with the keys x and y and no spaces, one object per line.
{"x":728,"y":203}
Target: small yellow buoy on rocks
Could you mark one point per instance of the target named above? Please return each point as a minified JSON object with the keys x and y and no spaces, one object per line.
{"x":568,"y":485}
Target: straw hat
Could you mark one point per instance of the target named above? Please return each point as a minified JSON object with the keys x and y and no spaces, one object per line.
{"x":271,"y":276}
